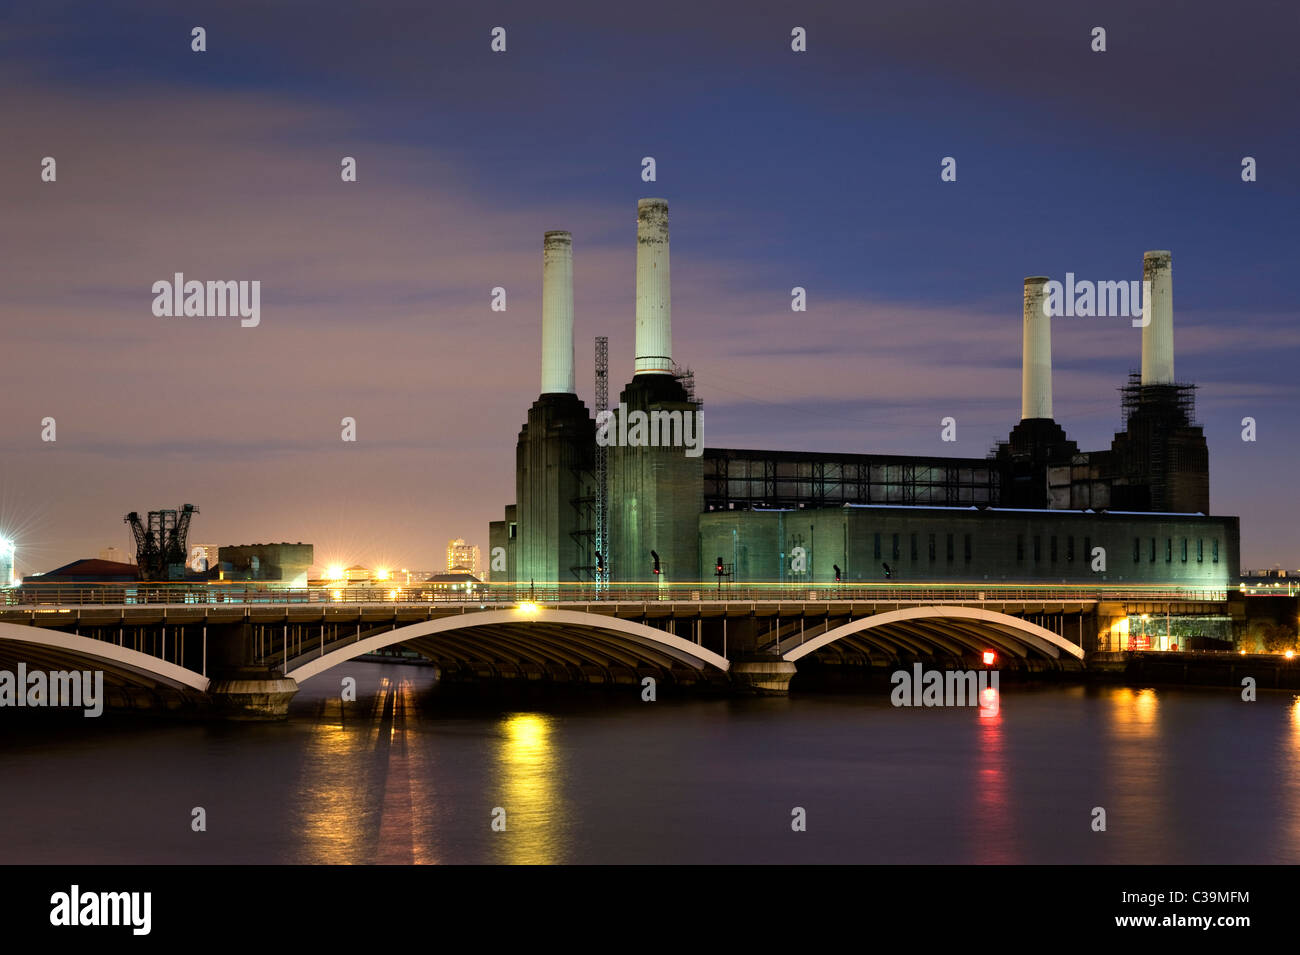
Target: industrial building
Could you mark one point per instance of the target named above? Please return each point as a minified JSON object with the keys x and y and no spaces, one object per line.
{"x":593,"y":506}
{"x":283,"y":564}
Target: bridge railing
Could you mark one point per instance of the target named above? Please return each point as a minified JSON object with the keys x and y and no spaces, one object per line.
{"x":512,"y":594}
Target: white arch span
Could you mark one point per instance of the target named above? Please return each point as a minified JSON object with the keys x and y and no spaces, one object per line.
{"x":945,"y":626}
{"x":46,"y":649}
{"x":543,"y":634}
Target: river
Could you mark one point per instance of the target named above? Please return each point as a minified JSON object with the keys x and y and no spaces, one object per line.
{"x":413,"y":774}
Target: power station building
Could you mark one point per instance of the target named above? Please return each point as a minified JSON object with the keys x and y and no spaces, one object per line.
{"x":1036,"y":509}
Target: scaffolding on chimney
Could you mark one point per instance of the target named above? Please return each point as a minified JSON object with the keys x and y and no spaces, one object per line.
{"x":602,"y":465}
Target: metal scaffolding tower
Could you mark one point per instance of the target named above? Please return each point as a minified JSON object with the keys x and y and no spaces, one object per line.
{"x":602,"y":464}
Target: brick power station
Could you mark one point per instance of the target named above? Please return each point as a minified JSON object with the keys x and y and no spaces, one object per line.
{"x":1034,"y":510}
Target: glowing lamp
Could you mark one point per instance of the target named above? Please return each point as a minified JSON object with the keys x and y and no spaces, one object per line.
{"x":989,"y":657}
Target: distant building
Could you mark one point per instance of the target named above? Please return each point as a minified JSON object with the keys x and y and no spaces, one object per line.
{"x":203,"y":557}
{"x":462,"y":557}
{"x":7,"y":578}
{"x":283,"y":564}
{"x":456,"y":582}
{"x":116,"y":555}
{"x":86,"y":571}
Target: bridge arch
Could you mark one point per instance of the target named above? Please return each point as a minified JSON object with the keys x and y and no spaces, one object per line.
{"x":541,"y":637}
{"x":954,"y":629}
{"x":44,"y":649}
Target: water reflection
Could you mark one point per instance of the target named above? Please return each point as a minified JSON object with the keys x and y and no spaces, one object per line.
{"x":367,"y":790}
{"x":1289,"y":771}
{"x":333,"y":806}
{"x":527,"y":779}
{"x":994,"y":827}
{"x":1137,"y":763}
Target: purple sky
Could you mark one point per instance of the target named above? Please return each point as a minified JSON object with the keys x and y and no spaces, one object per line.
{"x":780,"y":171}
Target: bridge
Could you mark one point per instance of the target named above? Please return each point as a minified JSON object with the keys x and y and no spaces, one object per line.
{"x":245,"y":650}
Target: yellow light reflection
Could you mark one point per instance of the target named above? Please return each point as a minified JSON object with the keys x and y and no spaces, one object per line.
{"x":527,"y":780}
{"x":1135,"y":783}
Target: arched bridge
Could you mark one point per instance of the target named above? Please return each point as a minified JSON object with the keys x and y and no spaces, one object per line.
{"x":201,"y":643}
{"x":914,"y":632}
{"x":532,"y":643}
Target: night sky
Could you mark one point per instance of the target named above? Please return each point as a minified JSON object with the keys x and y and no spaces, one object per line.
{"x":818,"y":169}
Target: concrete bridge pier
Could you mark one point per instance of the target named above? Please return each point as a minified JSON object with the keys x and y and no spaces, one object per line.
{"x":761,"y":675}
{"x":240,"y":689}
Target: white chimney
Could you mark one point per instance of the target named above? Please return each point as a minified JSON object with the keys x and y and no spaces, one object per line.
{"x":1158,"y":333}
{"x":1036,"y":353}
{"x":654,"y":336}
{"x":557,"y":313}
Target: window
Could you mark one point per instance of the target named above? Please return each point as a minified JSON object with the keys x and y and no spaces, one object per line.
{"x":877,"y":547}
{"x":1038,"y":548}
{"x":1169,"y":550}
{"x":914,"y":547}
{"x":1200,"y":550}
{"x":932,"y":548}
{"x":1087,"y":549}
{"x":1069,"y":549}
{"x":1153,"y":550}
{"x":1053,"y":545}
{"x":1184,"y":550}
{"x":1020,"y":547}
{"x":1214,"y":551}
{"x":950,"y":548}
{"x":1137,"y":549}
{"x":895,"y":551}
{"x":967,"y":547}
{"x":512,"y":530}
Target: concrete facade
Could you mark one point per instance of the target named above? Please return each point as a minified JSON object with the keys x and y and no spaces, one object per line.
{"x":922,"y":544}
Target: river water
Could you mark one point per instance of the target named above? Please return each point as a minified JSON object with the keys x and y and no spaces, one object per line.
{"x":410,"y":773}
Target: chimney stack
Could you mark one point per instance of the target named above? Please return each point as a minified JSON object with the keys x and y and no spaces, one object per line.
{"x":557,"y":313}
{"x":1158,"y":333}
{"x":654,"y":348}
{"x":1036,"y":353}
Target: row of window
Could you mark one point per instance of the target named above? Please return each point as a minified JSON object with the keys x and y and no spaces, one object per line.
{"x":1169,"y":550}
{"x":896,"y":548}
{"x":1053,"y":553}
